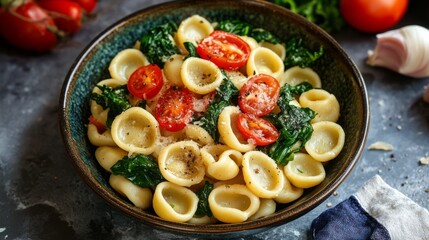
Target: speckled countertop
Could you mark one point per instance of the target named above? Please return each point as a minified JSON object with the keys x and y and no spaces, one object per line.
{"x":42,"y":196}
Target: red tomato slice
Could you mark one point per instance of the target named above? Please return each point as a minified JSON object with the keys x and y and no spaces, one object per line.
{"x":145,"y":82}
{"x":174,"y":109}
{"x":259,"y":95}
{"x":260,"y":130}
{"x":66,"y":14}
{"x":224,"y":49}
{"x":28,"y":27}
{"x":100,"y":127}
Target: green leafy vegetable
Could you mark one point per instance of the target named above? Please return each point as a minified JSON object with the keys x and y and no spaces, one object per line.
{"x":245,"y":29}
{"x":298,"y":55}
{"x":192,"y":50}
{"x":158,"y":44}
{"x":325,"y":13}
{"x":203,"y":202}
{"x":294,"y":124}
{"x":140,"y":169}
{"x":226,"y":93}
{"x":114,"y":99}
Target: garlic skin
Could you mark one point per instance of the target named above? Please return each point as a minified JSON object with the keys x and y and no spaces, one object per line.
{"x":404,"y":50}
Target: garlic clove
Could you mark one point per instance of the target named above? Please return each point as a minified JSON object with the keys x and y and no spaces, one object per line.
{"x":404,"y":50}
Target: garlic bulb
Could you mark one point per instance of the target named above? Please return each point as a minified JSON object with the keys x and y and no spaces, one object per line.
{"x":404,"y":50}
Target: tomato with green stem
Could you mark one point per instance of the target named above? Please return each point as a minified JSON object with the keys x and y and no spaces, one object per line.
{"x":67,"y":15}
{"x":260,"y":130}
{"x":226,"y":50}
{"x":174,"y":109}
{"x":145,"y":82}
{"x":28,"y":27}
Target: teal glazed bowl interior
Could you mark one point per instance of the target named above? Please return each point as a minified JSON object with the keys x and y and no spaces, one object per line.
{"x":338,"y":73}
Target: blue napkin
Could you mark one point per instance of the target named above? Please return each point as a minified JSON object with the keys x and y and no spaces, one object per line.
{"x":377,"y":211}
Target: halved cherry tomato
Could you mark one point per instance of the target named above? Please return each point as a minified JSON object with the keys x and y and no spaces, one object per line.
{"x":224,"y":49}
{"x":100,"y":127}
{"x":174,"y":109}
{"x":259,"y":95}
{"x":87,"y":5}
{"x":28,"y":27}
{"x":260,"y":130}
{"x":145,"y":82}
{"x":66,"y":14}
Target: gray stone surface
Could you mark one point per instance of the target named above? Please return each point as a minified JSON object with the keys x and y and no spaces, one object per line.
{"x":42,"y":197}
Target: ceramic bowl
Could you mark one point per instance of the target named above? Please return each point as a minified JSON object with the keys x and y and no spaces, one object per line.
{"x":339,"y":76}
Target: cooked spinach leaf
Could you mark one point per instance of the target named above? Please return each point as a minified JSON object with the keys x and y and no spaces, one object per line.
{"x":298,"y":55}
{"x":245,"y":29}
{"x":226,"y":94}
{"x":114,"y":99}
{"x":325,"y":13}
{"x":203,"y":200}
{"x":293,"y":122}
{"x":140,"y":169}
{"x":192,"y":50}
{"x":158,"y":44}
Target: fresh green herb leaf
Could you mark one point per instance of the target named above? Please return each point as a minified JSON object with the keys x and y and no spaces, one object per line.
{"x":298,"y":55}
{"x":114,"y":99}
{"x":203,"y":200}
{"x":245,"y":29}
{"x":192,"y":50}
{"x":158,"y":44}
{"x":226,"y":94}
{"x":325,"y":13}
{"x":140,"y":169}
{"x":294,"y":124}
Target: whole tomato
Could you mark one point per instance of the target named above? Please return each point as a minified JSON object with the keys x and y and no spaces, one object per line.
{"x":67,"y":15}
{"x":373,"y":15}
{"x":87,"y":5}
{"x":28,"y":27}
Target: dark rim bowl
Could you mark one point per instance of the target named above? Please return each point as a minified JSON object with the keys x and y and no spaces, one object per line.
{"x":339,"y":76}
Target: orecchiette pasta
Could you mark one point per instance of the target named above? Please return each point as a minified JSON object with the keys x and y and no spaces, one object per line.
{"x":266,"y":207}
{"x":181,"y":163}
{"x":174,"y":203}
{"x":278,"y":48}
{"x":237,"y":78}
{"x":126,"y":62}
{"x":250,"y":41}
{"x":193,"y":29}
{"x":326,"y":142}
{"x":192,"y":143}
{"x":261,"y":174}
{"x":200,"y":76}
{"x":99,"y":139}
{"x":136,"y":131}
{"x":229,"y":132}
{"x":221,"y":161}
{"x":140,"y":197}
{"x":264,"y":60}
{"x":233,"y":203}
{"x":172,"y":70}
{"x":304,"y":171}
{"x":296,"y":75}
{"x":323,"y":103}
{"x":289,"y":193}
{"x":107,"y":156}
